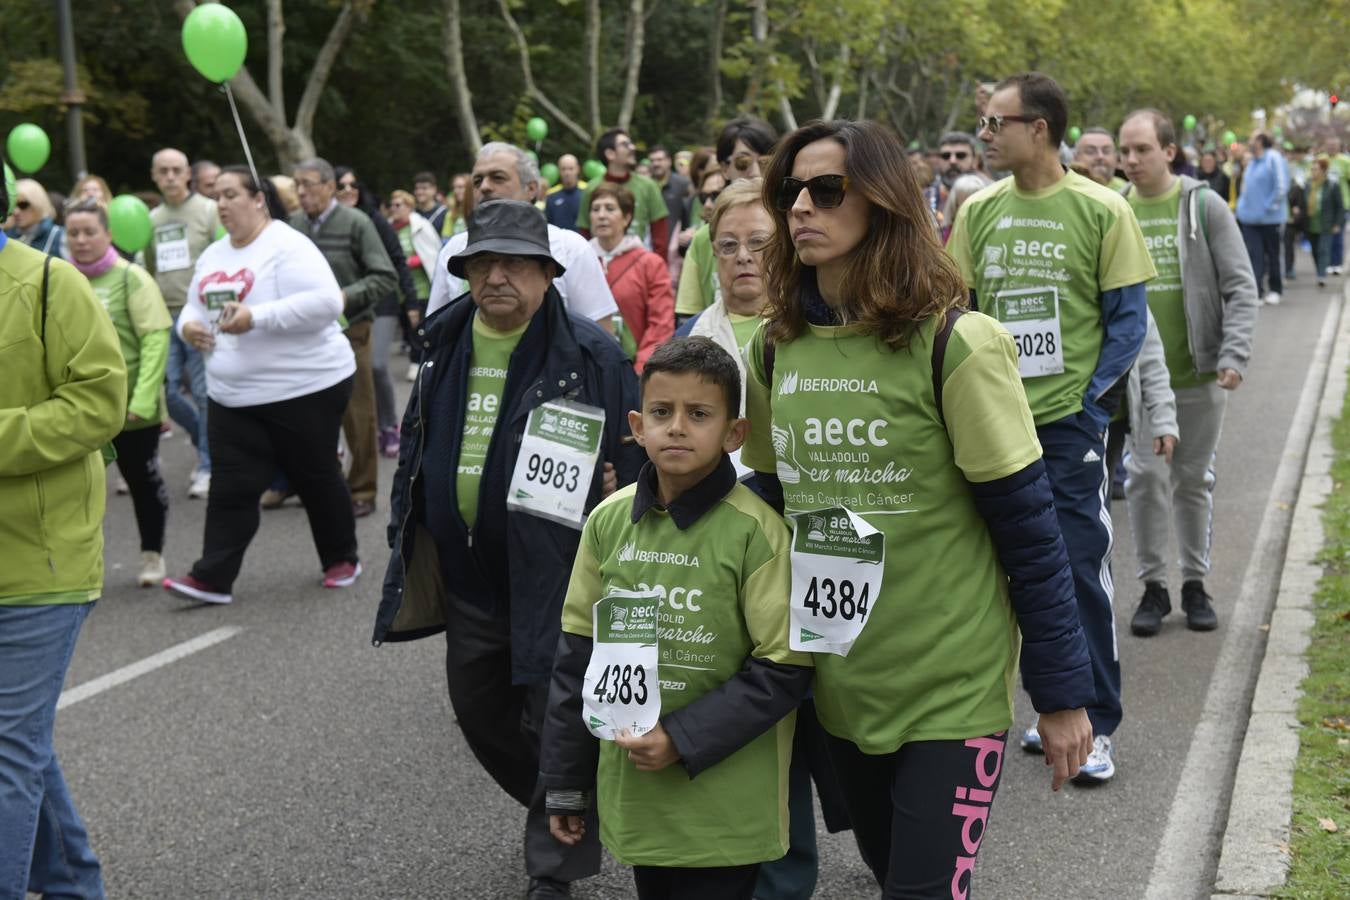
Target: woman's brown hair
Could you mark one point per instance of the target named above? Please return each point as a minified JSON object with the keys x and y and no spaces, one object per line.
{"x":898,"y":277}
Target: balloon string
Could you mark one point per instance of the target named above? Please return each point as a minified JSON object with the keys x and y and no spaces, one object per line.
{"x":248,"y":154}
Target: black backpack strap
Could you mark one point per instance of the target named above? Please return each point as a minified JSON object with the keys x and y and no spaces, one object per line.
{"x":940,"y":339}
{"x":769,"y":353}
{"x":46,"y":266}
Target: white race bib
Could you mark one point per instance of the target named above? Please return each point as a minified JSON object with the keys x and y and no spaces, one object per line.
{"x":171,"y":247}
{"x":837,"y":565}
{"x":1031,"y":316}
{"x":557,"y":461}
{"x":621,"y":691}
{"x":215,"y":301}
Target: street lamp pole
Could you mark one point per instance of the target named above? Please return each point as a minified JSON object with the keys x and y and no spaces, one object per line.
{"x":72,"y":96}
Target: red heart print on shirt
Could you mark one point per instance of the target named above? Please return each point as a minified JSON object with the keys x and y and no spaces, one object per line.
{"x":240,"y":283}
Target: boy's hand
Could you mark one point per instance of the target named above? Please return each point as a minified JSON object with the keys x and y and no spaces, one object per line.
{"x":652,"y":752}
{"x":609,"y":482}
{"x":1066,"y":737}
{"x":568,"y":829}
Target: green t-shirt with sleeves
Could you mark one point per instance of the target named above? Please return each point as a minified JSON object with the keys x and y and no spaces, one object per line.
{"x":180,"y":235}
{"x":648,"y":204}
{"x":848,"y":422}
{"x":1033,"y":256}
{"x":1158,"y":217}
{"x":724,"y":583}
{"x":142,"y":321}
{"x":421,"y":283}
{"x":488,"y":362}
{"x":744,"y":328}
{"x":699,"y":284}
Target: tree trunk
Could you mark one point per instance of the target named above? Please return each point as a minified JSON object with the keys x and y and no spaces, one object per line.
{"x":590,"y":48}
{"x":636,"y":35}
{"x":836,"y":88}
{"x":715,"y":65}
{"x":276,"y":31}
{"x":759,"y":30}
{"x":532,"y":90}
{"x":453,"y":46}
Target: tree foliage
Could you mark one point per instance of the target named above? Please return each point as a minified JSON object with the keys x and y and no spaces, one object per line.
{"x":676,"y":69}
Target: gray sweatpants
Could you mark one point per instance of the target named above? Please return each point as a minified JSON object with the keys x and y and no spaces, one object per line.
{"x":1182,"y":493}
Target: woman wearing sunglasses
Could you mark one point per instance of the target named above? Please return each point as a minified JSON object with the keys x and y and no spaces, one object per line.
{"x":34,"y":219}
{"x":924,"y":530}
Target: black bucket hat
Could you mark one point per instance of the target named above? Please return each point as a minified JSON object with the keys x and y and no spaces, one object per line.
{"x":509,"y":227}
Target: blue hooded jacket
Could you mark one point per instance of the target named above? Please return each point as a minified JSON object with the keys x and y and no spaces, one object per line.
{"x":1265,"y":185}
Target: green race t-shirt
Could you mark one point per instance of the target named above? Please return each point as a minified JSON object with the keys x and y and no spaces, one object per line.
{"x":421,"y":283}
{"x":1158,"y":218}
{"x":648,"y":204}
{"x":848,"y":422}
{"x":137,"y":310}
{"x":1026,"y":254}
{"x":744,"y":328}
{"x":699,"y":284}
{"x":724,"y":582}
{"x":490,"y":358}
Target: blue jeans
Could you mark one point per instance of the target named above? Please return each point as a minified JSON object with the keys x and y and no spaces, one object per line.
{"x":43,"y":844}
{"x":1338,"y":245}
{"x":191,"y":417}
{"x":1321,"y":247}
{"x":1263,"y":248}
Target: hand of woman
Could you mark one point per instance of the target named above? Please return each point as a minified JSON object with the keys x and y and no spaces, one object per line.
{"x":199,"y":335}
{"x":236,"y":318}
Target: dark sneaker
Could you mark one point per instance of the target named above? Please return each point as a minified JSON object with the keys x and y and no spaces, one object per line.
{"x":548,"y":889}
{"x":1153,"y":606}
{"x":192,"y":589}
{"x":1196,"y":604}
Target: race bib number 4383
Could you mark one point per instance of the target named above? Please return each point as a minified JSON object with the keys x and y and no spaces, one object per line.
{"x":837,"y":565}
{"x":621,"y":691}
{"x":1031,"y":316}
{"x":558,"y":453}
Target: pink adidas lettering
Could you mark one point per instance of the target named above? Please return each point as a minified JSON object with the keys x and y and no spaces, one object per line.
{"x":974,"y":808}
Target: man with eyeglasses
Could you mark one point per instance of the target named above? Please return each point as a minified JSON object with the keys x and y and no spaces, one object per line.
{"x":1061,"y":262}
{"x":1096,"y":152}
{"x":184,"y":225}
{"x":651,"y":219}
{"x":348,"y":240}
{"x":959,"y":157}
{"x":518,"y":401}
{"x":504,"y":172}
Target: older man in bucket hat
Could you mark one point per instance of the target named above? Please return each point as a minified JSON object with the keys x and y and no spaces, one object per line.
{"x":517,"y":427}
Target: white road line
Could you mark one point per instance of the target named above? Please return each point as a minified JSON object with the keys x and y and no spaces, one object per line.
{"x":144,"y":666}
{"x":1188,"y":853}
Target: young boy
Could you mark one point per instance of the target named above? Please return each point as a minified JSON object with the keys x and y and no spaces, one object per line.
{"x":692,"y":569}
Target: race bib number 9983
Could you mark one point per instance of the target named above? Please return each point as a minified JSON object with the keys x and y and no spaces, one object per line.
{"x":556,"y":465}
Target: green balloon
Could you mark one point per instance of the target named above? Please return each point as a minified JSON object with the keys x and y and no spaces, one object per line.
{"x":1189,"y":122}
{"x":1229,"y":137}
{"x":537,"y":129}
{"x":534,"y":157}
{"x":28,"y":147}
{"x":1075,"y":133}
{"x":215,"y":41}
{"x":915,"y":144}
{"x":10,"y":188}
{"x":550,"y":173}
{"x":593,"y":169}
{"x":1289,"y":145}
{"x":129,"y":222}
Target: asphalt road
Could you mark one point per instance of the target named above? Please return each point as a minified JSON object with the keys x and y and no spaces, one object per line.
{"x":293,"y":759}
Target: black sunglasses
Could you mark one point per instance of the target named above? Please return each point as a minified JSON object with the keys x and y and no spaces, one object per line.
{"x":827,"y":191}
{"x":707,"y":198}
{"x":23,"y":204}
{"x":954,"y":154}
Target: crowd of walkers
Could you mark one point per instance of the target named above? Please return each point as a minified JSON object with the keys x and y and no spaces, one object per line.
{"x":688,"y":450}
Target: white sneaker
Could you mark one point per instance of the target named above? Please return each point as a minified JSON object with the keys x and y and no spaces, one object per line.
{"x":1099,"y":766}
{"x":121,"y":486}
{"x":201,"y":485}
{"x":152,"y":569}
{"x":412,"y":371}
{"x":1031,"y":738}
{"x":1273,"y":298}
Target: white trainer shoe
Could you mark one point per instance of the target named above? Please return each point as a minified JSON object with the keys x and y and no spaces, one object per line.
{"x":201,"y":485}
{"x":1031,"y":738}
{"x":152,"y":569}
{"x":1099,"y":767}
{"x":1273,"y":298}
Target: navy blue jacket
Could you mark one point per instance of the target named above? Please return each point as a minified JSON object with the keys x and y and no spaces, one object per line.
{"x":514,"y":564}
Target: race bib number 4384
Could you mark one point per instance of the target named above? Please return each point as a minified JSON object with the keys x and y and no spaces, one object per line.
{"x":1031,"y":316}
{"x":837,"y":565}
{"x":621,"y":692}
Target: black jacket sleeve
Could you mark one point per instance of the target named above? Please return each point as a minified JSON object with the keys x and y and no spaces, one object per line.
{"x":568,"y":752}
{"x":739,"y":710}
{"x":1019,"y":511}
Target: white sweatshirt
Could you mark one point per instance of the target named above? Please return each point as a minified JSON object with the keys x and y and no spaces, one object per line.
{"x":296,"y":346}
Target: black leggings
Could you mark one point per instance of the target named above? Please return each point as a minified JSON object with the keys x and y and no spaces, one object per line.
{"x":138,"y":461}
{"x":919,"y":814}
{"x":248,"y":444}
